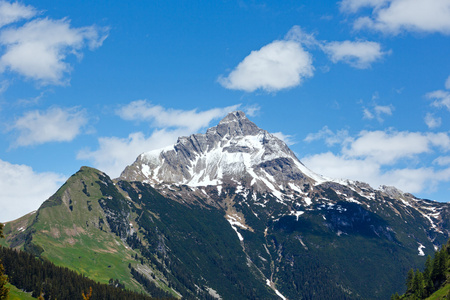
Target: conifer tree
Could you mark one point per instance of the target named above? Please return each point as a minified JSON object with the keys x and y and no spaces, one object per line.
{"x":3,"y":279}
{"x":409,"y":280}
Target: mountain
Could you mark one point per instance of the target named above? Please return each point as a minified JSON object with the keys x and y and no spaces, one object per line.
{"x":234,"y":153}
{"x":233,"y":214}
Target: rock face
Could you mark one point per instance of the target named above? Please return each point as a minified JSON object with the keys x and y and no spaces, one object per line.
{"x":235,"y":152}
{"x":239,"y":157}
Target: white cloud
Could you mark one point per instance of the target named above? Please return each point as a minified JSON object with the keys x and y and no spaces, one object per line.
{"x":252,"y":110}
{"x":357,"y":54}
{"x":384,"y":109}
{"x":38,"y":49}
{"x":115,"y":153}
{"x":386,"y":158}
{"x":396,"y":16}
{"x":378,"y":112}
{"x":20,"y":185}
{"x":341,"y":167}
{"x":432,"y":121}
{"x":288,"y":139}
{"x":441,"y":98}
{"x":13,"y":12}
{"x":442,"y":161}
{"x":328,"y":136}
{"x":367,"y":114}
{"x":285,"y":63}
{"x":297,"y":34}
{"x":276,"y":66}
{"x":388,"y":147}
{"x":158,"y":116}
{"x":447,"y":83}
{"x":353,"y":6}
{"x":415,"y":180}
{"x":53,"y":125}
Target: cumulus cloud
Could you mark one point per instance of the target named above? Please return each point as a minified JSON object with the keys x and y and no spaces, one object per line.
{"x":27,"y":189}
{"x":432,"y":121}
{"x":285,"y":63}
{"x":385,"y":158}
{"x":396,"y":16}
{"x":13,"y":12}
{"x":388,"y":147}
{"x":158,"y":116}
{"x":53,"y":125}
{"x":342,"y":167}
{"x":360,"y":54}
{"x":279,"y":65}
{"x":38,"y":49}
{"x":115,"y":153}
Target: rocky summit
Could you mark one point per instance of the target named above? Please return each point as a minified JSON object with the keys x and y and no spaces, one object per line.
{"x":233,"y":214}
{"x":235,"y":152}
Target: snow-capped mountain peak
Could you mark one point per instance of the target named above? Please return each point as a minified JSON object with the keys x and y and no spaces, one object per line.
{"x":236,"y":151}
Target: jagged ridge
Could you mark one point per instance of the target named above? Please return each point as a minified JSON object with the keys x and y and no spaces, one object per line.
{"x":235,"y":151}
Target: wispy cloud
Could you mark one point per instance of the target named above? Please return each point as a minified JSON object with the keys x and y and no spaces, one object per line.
{"x":441,"y":98}
{"x":158,"y":116}
{"x":378,"y":112}
{"x":13,"y":12}
{"x":328,"y":136}
{"x":354,"y":6}
{"x":442,"y":161}
{"x":38,"y":49}
{"x":360,"y":54}
{"x":288,"y":139}
{"x":13,"y":179}
{"x":396,"y":16}
{"x":447,"y":83}
{"x":432,"y":121}
{"x":115,"y":153}
{"x":53,"y":125}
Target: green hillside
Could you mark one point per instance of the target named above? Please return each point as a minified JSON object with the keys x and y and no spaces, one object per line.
{"x":70,"y":229}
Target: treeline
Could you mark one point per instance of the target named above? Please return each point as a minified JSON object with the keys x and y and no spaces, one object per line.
{"x":420,"y":285}
{"x":41,"y":277}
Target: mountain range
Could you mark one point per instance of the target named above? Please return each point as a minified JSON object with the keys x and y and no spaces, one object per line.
{"x":233,"y":214}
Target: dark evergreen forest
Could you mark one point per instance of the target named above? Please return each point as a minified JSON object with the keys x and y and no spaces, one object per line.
{"x":421,"y":285}
{"x":41,"y":277}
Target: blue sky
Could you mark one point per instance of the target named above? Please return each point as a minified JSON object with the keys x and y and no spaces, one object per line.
{"x":359,"y":89}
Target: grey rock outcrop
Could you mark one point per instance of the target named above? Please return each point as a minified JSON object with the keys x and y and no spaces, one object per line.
{"x":235,"y":151}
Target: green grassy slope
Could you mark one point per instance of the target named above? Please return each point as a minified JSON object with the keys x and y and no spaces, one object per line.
{"x":71,"y":230}
{"x":16,"y":294}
